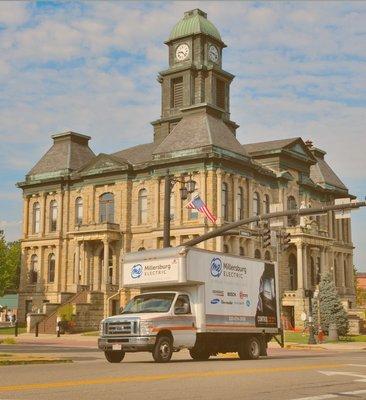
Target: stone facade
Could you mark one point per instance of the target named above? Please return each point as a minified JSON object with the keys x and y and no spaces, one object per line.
{"x":83,"y":212}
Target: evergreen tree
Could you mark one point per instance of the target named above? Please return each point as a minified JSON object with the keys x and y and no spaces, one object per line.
{"x":331,"y":308}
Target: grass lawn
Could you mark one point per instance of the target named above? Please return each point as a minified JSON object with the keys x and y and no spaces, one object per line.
{"x":298,"y":337}
{"x":10,"y":331}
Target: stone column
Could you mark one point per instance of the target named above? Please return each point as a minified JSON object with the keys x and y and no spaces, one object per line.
{"x":58,"y":267}
{"x":82,"y":263}
{"x":235,"y":244}
{"x":156,"y":202}
{"x":305,"y":265}
{"x":25,"y":216}
{"x":43,"y":213}
{"x":235,"y":198}
{"x":218,"y":197}
{"x":300,"y":268}
{"x":341,"y":268}
{"x":322,"y":260}
{"x":77,"y":263}
{"x":60,"y":211}
{"x":105,"y":261}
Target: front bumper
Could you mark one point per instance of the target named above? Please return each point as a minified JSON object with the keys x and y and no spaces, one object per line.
{"x":127,"y":343}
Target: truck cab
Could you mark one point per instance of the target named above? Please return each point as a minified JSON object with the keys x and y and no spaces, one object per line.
{"x":163,"y":321}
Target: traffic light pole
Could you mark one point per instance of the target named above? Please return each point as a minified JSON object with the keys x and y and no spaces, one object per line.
{"x":265,"y":217}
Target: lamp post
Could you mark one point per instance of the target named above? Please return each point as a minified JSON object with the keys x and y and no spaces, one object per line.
{"x":309,"y":294}
{"x":169,"y":182}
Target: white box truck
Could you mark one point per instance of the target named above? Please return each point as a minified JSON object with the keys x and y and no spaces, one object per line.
{"x":204,"y":301}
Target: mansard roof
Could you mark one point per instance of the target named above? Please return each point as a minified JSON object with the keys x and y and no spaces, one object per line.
{"x":294,"y":146}
{"x":322,"y":174}
{"x":69,"y":152}
{"x":139,"y":154}
{"x":198,"y":130}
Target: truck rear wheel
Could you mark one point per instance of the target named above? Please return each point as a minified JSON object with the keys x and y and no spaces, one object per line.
{"x":250,"y":349}
{"x":199,"y":354}
{"x":163,"y":349}
{"x":114,"y":356}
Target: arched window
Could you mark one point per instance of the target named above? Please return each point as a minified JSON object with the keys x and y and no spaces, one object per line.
{"x":267,"y":255}
{"x":79,"y":211}
{"x":266,"y":204}
{"x":240,"y":203}
{"x":225,"y":248}
{"x":36,"y":217}
{"x":142,"y":206}
{"x":257,"y":254}
{"x":53,"y":216}
{"x":51,"y":268}
{"x":33,"y":271}
{"x":241,"y":251}
{"x":224,"y":201}
{"x":106,"y":207}
{"x":292,"y":264}
{"x":291,"y":205}
{"x":312,"y":272}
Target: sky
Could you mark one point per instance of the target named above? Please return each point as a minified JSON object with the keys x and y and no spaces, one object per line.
{"x":91,"y":67}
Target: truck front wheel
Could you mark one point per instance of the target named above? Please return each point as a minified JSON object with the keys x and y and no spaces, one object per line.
{"x":250,"y":349}
{"x":163,"y":349}
{"x":114,"y":356}
{"x":199,"y":354}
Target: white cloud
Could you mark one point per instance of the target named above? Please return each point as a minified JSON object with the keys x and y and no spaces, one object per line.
{"x":13,"y":13}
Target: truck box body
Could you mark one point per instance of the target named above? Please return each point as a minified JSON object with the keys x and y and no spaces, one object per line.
{"x":228,"y":292}
{"x":205,"y":301}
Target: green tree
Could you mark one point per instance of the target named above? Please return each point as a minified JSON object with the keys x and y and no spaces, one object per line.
{"x":331,"y":308}
{"x":10,"y":258}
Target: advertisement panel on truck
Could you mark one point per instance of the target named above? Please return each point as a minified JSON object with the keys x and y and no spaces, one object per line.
{"x":238,"y":291}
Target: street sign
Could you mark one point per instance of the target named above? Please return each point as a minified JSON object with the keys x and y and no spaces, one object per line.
{"x":244,"y":233}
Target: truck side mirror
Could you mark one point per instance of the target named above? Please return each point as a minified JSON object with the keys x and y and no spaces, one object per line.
{"x":121,"y":310}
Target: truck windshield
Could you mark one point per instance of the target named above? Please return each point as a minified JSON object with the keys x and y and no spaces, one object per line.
{"x":149,"y":303}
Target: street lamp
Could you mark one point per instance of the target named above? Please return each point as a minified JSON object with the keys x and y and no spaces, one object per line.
{"x":187,"y":187}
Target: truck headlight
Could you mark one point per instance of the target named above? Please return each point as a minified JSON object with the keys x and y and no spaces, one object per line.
{"x":146,"y":327}
{"x":101,"y":329}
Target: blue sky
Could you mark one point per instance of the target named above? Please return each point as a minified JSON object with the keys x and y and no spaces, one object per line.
{"x":91,"y":67}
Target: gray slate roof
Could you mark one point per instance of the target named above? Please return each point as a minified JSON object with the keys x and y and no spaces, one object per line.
{"x":199,"y":130}
{"x":268,"y":146}
{"x":69,"y":153}
{"x":322,"y":174}
{"x":137,"y":154}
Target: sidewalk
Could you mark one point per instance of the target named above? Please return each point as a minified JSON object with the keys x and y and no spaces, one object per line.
{"x":339,"y":346}
{"x":74,"y":340}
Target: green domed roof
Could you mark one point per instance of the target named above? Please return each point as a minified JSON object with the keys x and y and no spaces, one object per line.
{"x":193,"y":22}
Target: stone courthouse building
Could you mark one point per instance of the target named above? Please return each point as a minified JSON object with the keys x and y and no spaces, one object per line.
{"x":83,"y":212}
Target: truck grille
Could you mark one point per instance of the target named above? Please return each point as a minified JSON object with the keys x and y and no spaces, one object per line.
{"x":119,"y":328}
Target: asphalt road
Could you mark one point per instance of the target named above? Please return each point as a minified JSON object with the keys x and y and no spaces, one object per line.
{"x":284,"y":375}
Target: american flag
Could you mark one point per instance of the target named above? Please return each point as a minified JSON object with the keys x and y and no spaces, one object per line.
{"x":198,"y":204}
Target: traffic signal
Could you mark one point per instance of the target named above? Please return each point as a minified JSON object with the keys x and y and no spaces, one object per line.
{"x":266,"y":238}
{"x":286,"y":241}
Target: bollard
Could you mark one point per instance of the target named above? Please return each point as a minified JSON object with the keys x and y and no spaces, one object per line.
{"x":37,"y":329}
{"x":16,"y":328}
{"x":58,"y":329}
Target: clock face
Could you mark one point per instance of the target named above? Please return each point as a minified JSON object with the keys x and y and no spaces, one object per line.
{"x":213,"y":53}
{"x":182,"y":52}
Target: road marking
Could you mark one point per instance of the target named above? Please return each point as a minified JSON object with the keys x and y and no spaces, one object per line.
{"x":357,"y":365}
{"x":321,"y":397}
{"x":331,"y":373}
{"x":151,"y":378}
{"x":332,"y":396}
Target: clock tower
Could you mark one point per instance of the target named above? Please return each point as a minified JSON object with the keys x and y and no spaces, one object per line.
{"x":195,"y":77}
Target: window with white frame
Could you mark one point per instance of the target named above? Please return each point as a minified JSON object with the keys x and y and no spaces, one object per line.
{"x":79,"y":211}
{"x":53,"y":216}
{"x":36,"y":217}
{"x":142,"y":206}
{"x":240,"y":203}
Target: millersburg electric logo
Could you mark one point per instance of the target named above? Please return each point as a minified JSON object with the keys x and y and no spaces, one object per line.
{"x":216,"y":267}
{"x":136,"y":271}
{"x":226,"y":269}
